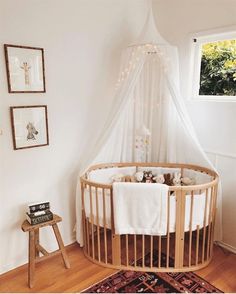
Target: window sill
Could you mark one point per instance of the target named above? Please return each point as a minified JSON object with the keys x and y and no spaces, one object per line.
{"x":213,"y":99}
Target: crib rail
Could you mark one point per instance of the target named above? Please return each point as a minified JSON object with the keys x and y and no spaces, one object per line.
{"x":180,"y":249}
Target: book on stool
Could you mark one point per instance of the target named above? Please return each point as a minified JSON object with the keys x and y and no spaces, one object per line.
{"x":39,"y":213}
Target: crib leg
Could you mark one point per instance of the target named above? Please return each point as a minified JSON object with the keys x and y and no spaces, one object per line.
{"x":116,"y":249}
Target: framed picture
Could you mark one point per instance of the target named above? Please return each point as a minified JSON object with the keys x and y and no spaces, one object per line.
{"x":25,"y":69}
{"x":29,"y":126}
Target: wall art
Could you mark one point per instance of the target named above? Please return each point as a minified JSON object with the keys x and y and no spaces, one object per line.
{"x":29,"y":126}
{"x":25,"y":69}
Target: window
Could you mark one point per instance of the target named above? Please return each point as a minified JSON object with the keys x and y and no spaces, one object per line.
{"x":214,"y":75}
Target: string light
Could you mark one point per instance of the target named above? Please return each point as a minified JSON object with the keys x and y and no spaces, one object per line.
{"x":146,"y":49}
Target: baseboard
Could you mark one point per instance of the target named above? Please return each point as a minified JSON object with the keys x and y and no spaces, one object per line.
{"x":226,"y":246}
{"x":24,"y":261}
{"x":11,"y":266}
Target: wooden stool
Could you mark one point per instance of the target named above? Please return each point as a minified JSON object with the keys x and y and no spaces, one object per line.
{"x":35,"y":248}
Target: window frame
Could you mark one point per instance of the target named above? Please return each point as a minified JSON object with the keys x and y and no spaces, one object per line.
{"x":197,"y":41}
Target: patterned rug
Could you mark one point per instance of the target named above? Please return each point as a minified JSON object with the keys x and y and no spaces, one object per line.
{"x":149,"y":282}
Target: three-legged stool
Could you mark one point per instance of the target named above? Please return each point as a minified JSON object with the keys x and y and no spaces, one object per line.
{"x":35,"y":248}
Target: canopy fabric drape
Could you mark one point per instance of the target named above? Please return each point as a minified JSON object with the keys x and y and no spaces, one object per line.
{"x":148,"y":121}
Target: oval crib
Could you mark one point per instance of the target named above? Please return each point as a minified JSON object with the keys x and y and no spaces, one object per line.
{"x":179,"y":250}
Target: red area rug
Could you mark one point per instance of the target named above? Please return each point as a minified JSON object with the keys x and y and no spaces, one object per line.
{"x":149,"y":282}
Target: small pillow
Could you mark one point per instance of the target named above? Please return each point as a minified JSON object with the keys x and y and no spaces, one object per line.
{"x":104,"y":175}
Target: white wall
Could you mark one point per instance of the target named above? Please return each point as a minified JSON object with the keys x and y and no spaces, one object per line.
{"x":215,"y":122}
{"x":83,"y":40}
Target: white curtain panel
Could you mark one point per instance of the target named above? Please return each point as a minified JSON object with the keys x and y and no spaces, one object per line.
{"x":148,"y":96}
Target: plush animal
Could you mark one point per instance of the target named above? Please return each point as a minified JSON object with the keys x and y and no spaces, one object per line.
{"x":177,"y":179}
{"x":118,"y":178}
{"x":159,"y":179}
{"x":168,"y":179}
{"x":129,"y":178}
{"x":148,"y":177}
{"x":138,"y":176}
{"x":186,"y":181}
{"x":122,"y":178}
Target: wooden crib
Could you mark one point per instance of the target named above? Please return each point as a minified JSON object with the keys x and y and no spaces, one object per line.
{"x":177,"y":251}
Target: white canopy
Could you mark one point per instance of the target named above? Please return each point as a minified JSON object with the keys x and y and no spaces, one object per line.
{"x":148,"y":121}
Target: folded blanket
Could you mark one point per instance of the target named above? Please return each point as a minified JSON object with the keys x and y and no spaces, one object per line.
{"x":140,"y":208}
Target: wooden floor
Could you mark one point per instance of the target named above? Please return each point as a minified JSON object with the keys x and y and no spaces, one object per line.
{"x":51,"y":276}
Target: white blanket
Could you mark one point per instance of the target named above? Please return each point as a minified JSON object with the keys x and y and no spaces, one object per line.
{"x":140,"y":208}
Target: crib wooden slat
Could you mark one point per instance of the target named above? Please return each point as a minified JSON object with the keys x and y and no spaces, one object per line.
{"x":143,"y":250}
{"x":197,"y":246}
{"x":204,"y":227}
{"x":83,"y":217}
{"x":112,"y":211}
{"x":92,"y":220}
{"x":87,"y":232}
{"x":159,"y":251}
{"x":98,"y":227}
{"x":115,"y":239}
{"x":213,"y":217}
{"x":168,"y":231}
{"x":127,"y":249}
{"x":135,"y":250}
{"x":190,"y":231}
{"x":209,"y":223}
{"x":104,"y":223}
{"x":151,"y":251}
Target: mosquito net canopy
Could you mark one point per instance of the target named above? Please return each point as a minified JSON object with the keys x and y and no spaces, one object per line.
{"x":148,"y":121}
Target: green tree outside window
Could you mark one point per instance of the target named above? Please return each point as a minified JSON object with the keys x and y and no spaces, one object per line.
{"x":218,"y":68}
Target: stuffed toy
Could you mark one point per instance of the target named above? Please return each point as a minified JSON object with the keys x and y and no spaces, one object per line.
{"x":148,"y":177}
{"x":122,"y":178}
{"x":129,"y":178}
{"x":118,"y":178}
{"x":186,"y":181}
{"x":159,"y":179}
{"x":138,"y":176}
{"x":177,"y":179}
{"x":168,"y":179}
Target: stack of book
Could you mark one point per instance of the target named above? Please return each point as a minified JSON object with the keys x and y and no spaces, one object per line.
{"x":38,"y":213}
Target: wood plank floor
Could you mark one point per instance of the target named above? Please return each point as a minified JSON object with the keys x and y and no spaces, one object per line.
{"x":51,"y":276}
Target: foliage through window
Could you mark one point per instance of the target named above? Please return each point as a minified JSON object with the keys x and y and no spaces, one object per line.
{"x":218,"y":68}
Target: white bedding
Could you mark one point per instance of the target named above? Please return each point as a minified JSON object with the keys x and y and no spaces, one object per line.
{"x":197,"y":218}
{"x":140,"y":208}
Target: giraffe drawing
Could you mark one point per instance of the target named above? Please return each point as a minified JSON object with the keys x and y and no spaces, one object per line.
{"x":26,"y":69}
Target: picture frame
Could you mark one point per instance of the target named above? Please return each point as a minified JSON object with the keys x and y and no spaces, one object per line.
{"x":25,"y":69}
{"x":29,"y":126}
